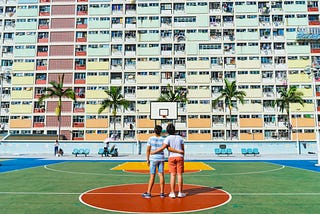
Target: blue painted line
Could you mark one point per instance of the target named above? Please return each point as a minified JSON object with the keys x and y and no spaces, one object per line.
{"x":25,"y":163}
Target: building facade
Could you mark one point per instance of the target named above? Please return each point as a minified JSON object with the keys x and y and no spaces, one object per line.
{"x":142,"y":46}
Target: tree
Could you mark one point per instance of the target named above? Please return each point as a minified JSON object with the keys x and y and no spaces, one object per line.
{"x":178,"y":94}
{"x":288,"y":95}
{"x":229,"y":93}
{"x":115,"y":100}
{"x":57,"y":90}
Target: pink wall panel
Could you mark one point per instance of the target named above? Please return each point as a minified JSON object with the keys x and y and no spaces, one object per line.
{"x":61,"y":50}
{"x":63,"y":10}
{"x":66,"y":106}
{"x":64,"y":0}
{"x":60,"y":64}
{"x":68,"y":77}
{"x":62,"y":37}
{"x":52,"y":121}
{"x":62,"y":23}
{"x":66,"y":133}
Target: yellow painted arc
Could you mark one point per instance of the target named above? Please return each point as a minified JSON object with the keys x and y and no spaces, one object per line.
{"x":144,"y":166}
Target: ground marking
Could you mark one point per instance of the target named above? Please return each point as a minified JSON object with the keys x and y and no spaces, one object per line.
{"x":136,"y":174}
{"x":213,"y":194}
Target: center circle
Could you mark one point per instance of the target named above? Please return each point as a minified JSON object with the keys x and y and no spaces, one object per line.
{"x":127,"y":198}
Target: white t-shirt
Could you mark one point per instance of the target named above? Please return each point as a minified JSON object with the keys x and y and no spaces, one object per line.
{"x":175,"y":142}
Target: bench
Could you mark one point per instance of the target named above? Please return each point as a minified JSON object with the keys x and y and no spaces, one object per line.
{"x":250,"y":151}
{"x":81,"y":151}
{"x":227,"y":151}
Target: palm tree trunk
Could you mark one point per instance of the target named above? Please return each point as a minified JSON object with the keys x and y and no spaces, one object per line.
{"x":59,"y":126}
{"x":289,"y":127}
{"x":230,"y":122}
{"x":114,"y":126}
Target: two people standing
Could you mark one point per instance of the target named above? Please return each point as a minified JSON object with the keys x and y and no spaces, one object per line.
{"x":155,"y":159}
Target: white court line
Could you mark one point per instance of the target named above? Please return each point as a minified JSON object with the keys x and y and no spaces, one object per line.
{"x":206,"y":194}
{"x":91,"y":173}
{"x":187,"y":174}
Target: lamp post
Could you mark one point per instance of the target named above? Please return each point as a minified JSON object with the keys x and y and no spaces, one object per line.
{"x":314,"y":72}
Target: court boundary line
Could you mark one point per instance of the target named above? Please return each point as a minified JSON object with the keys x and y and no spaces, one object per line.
{"x":132,"y":174}
{"x":234,"y":194}
{"x":190,"y":211}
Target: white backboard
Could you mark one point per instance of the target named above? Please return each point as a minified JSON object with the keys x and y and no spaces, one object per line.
{"x":163,"y":110}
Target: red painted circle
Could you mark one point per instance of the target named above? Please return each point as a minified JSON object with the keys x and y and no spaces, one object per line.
{"x":127,"y":198}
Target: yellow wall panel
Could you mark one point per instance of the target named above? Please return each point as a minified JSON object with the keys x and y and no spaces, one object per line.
{"x":299,"y":63}
{"x":23,"y":66}
{"x":251,"y":122}
{"x":22,"y":95}
{"x":198,"y":64}
{"x":28,"y":80}
{"x":144,"y":137}
{"x":199,"y":137}
{"x":250,"y":136}
{"x":96,"y":136}
{"x":145,"y":123}
{"x":148,"y":65}
{"x":97,"y":79}
{"x":304,"y":136}
{"x":201,"y":108}
{"x":199,"y":123}
{"x":303,"y":122}
{"x":97,"y":123}
{"x":21,"y":109}
{"x":98,"y":66}
{"x":20,"y":123}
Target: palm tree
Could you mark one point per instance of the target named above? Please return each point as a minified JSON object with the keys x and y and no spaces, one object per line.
{"x":57,"y":90}
{"x":115,"y":100}
{"x":287,"y":96}
{"x":229,"y":93}
{"x":178,"y":94}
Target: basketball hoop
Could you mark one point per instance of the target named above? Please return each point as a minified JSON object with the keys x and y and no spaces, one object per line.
{"x":164,"y":116}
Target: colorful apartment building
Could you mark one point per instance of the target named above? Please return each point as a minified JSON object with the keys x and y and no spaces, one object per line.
{"x":141,"y":46}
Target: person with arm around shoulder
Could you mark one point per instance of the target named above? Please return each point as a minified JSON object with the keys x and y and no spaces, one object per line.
{"x":155,"y":161}
{"x":175,"y":145}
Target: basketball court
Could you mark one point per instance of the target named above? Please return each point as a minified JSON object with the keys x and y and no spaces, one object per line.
{"x":127,"y":198}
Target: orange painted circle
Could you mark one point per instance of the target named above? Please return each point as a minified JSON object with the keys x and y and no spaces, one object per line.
{"x":127,"y":198}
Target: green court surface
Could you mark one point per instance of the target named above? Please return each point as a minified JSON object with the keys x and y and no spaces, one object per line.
{"x":256,"y":187}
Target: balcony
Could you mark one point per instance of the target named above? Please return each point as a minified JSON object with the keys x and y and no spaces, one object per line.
{"x":41,"y":68}
{"x":39,"y":110}
{"x":80,"y":67}
{"x":76,"y":110}
{"x":81,"y":53}
{"x":81,"y":25}
{"x":42,"y":26}
{"x":82,"y":13}
{"x":41,"y":81}
{"x":38,"y":124}
{"x":80,"y":81}
{"x":44,"y":13}
{"x":83,"y":39}
{"x":43,"y":40}
{"x":78,"y":124}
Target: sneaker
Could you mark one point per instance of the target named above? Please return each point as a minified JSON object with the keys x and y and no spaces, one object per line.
{"x":162,"y":195}
{"x":146,"y":195}
{"x":172,"y":195}
{"x":181,"y":195}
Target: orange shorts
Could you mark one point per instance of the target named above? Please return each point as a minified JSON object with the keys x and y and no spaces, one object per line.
{"x":176,"y":165}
